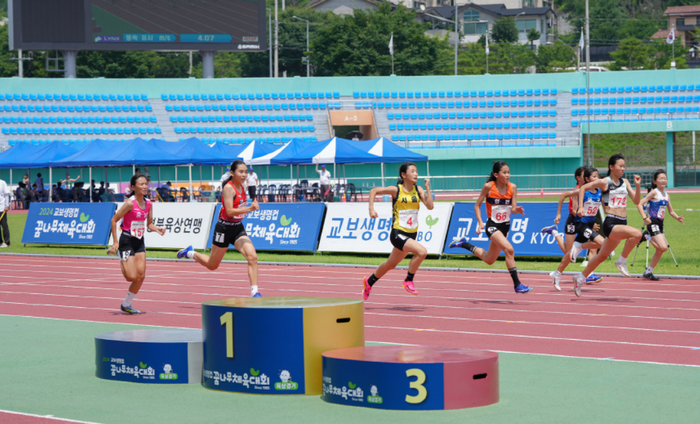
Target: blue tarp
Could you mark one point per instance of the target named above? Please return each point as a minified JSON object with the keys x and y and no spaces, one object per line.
{"x":193,"y":151}
{"x":389,"y":151}
{"x":335,"y":150}
{"x":283,"y":154}
{"x":47,"y":155}
{"x":14,"y":155}
{"x":111,"y":153}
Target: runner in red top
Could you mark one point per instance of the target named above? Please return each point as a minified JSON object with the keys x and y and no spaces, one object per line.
{"x":501,"y":201}
{"x":137,"y":215}
{"x":229,"y":230}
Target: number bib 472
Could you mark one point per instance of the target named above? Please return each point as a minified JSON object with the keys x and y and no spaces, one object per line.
{"x":408,"y":219}
{"x":500,"y":213}
{"x":138,"y":229}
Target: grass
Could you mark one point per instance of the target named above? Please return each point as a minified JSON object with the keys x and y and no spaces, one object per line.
{"x":682,"y":238}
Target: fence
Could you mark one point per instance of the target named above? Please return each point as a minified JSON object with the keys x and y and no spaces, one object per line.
{"x":459,"y":183}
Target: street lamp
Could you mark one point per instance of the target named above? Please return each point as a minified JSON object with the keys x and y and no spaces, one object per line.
{"x":269,"y":45}
{"x":422,"y":8}
{"x":307,"y":44}
{"x":516,"y":24}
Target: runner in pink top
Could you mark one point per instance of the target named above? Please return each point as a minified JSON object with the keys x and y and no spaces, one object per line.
{"x":137,"y":215}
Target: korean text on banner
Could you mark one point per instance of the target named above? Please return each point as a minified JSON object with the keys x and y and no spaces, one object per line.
{"x":349,"y":228}
{"x":281,"y":226}
{"x":524,"y":235}
{"x":186,"y":224}
{"x":68,"y":223}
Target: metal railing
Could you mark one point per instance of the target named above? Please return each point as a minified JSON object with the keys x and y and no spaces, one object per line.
{"x":473,"y":183}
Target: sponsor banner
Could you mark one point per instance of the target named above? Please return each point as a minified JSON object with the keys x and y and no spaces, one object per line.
{"x":349,"y":228}
{"x":68,"y":223}
{"x":185,"y":224}
{"x":281,"y":226}
{"x":524,"y":235}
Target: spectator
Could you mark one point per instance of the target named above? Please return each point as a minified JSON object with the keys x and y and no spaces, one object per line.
{"x":4,"y":208}
{"x":61,"y":192}
{"x":39,"y":182}
{"x":147,"y":173}
{"x":325,"y":183}
{"x":165,"y":192}
{"x":25,"y":180}
{"x":184,"y":194}
{"x":101,"y":190}
{"x":69,"y":182}
{"x":252,"y":183}
{"x":35,"y":194}
{"x":54,"y":194}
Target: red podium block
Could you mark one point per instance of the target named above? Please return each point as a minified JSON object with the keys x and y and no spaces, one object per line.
{"x":410,"y":378}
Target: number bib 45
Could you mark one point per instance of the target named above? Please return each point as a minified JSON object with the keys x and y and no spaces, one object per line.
{"x":500,"y":213}
{"x":408,"y":219}
{"x":138,"y":229}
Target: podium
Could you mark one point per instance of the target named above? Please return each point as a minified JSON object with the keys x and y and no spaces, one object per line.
{"x":273,"y":345}
{"x":410,"y":378}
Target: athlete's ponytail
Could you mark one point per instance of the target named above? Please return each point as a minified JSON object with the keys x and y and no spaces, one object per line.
{"x":654,"y":178}
{"x":613,"y":160}
{"x":404,"y":169}
{"x":496,"y":169}
{"x":234,"y":165}
{"x":132,"y":184}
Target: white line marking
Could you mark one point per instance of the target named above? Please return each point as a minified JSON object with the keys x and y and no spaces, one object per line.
{"x":48,"y":417}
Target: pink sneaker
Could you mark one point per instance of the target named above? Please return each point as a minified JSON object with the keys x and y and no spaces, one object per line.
{"x":366,"y":289}
{"x":408,"y":285}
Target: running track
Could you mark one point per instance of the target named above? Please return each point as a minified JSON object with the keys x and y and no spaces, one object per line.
{"x":621,"y":319}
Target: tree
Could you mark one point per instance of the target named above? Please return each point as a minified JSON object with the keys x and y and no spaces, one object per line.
{"x":504,"y":30}
{"x":472,"y":60}
{"x":661,"y":54}
{"x":510,"y":58}
{"x":630,"y":54}
{"x":554,"y":58}
{"x":358,"y":45}
{"x":532,"y":36}
{"x":605,"y":17}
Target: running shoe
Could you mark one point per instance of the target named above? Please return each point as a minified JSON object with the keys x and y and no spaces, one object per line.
{"x":593,"y":279}
{"x":650,"y":276}
{"x":549,"y":230}
{"x":366,"y":288}
{"x":183,"y":253}
{"x":579,"y":281}
{"x":522,"y":288}
{"x":408,"y":285}
{"x":256,"y":295}
{"x":555,"y":276}
{"x":4,"y":245}
{"x":129,"y":310}
{"x":458,"y":243}
{"x":621,"y":265}
{"x":575,"y":250}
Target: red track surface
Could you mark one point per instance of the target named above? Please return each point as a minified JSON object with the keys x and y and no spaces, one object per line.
{"x":624,"y":319}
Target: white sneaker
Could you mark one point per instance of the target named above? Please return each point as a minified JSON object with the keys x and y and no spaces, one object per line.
{"x":621,"y":265}
{"x":555,"y":276}
{"x":579,"y":281}
{"x":575,"y":250}
{"x":3,"y":245}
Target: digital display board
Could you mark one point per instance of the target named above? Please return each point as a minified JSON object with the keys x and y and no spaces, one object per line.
{"x":231,"y":25}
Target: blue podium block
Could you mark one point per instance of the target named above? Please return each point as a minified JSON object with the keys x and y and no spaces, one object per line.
{"x":168,"y":356}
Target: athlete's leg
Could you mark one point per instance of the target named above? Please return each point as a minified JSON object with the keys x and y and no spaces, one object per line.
{"x":139,"y":268}
{"x":211,"y":261}
{"x":419,"y":254}
{"x":659,"y":243}
{"x":633,"y":235}
{"x":245,"y":246}
{"x":569,"y":241}
{"x":395,"y":257}
{"x":608,"y":246}
{"x":498,"y":243}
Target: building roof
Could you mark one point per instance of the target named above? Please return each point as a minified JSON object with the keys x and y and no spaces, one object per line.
{"x":315,"y":3}
{"x":448,"y":12}
{"x":661,"y":34}
{"x":683,"y":10}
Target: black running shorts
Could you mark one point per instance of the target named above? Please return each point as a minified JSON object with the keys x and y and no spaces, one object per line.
{"x":129,"y":246}
{"x":399,"y":238}
{"x":227,"y":233}
{"x":491,"y":227}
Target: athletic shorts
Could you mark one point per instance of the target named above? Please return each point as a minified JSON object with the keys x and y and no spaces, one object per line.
{"x":129,"y":246}
{"x":656,"y":227}
{"x":399,"y":238}
{"x":585,"y":232}
{"x":610,"y":222}
{"x":491,"y":227}
{"x":227,"y":233}
{"x":570,"y":226}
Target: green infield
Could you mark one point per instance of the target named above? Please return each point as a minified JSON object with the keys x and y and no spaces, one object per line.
{"x":683,"y":240}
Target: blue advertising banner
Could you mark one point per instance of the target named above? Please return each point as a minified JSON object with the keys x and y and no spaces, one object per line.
{"x":281,"y":226}
{"x":68,"y":223}
{"x":524,"y":235}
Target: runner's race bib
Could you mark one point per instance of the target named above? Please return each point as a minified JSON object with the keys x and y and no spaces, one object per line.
{"x":138,"y":229}
{"x":500,"y":213}
{"x":408,"y":219}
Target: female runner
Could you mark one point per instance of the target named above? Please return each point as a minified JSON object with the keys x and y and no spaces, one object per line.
{"x":501,"y":200}
{"x":229,"y":229}
{"x":615,"y":191}
{"x":138,"y":216}
{"x":587,"y":236}
{"x":406,"y":203}
{"x":658,"y":200}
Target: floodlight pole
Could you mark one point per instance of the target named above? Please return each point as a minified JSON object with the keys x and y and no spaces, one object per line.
{"x":277,"y":42}
{"x":456,"y":36}
{"x":69,"y":57}
{"x":588,"y":84}
{"x":269,"y":41}
{"x":207,"y":64}
{"x":307,"y":44}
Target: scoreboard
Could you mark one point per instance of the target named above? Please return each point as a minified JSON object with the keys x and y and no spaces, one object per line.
{"x":214,"y":25}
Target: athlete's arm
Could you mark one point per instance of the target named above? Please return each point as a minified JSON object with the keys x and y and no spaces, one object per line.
{"x":426,"y":196}
{"x":514,"y":203}
{"x":640,"y":206}
{"x":125,"y":209}
{"x":380,"y":191}
{"x":477,"y":206}
{"x":229,"y":195}
{"x":637,"y":184}
{"x":597,"y":184}
{"x":674,"y":214}
{"x":565,"y":195}
{"x":151,"y":226}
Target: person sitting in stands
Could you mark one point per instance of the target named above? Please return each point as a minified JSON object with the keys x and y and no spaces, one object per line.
{"x":184,"y":194}
{"x":21,"y":195}
{"x":165,"y":192}
{"x":54,"y":194}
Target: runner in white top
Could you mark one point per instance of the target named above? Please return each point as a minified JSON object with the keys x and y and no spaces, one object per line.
{"x":659,"y":201}
{"x":252,"y":183}
{"x":4,"y":207}
{"x":324,"y":183}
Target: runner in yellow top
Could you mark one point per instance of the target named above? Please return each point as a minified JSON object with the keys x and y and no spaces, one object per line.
{"x":406,"y":203}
